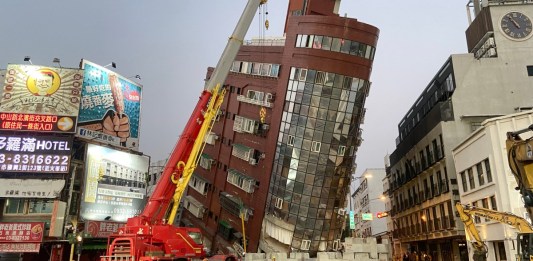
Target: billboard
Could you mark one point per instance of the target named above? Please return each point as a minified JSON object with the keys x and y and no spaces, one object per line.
{"x":115,"y":184}
{"x":110,"y":104}
{"x":35,"y":154}
{"x":31,"y":188}
{"x":38,"y":90}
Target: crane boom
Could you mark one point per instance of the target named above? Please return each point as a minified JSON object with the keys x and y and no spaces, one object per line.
{"x":159,"y":202}
{"x":148,"y":236}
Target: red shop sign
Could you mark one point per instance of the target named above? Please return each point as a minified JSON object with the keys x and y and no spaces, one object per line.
{"x":21,"y":232}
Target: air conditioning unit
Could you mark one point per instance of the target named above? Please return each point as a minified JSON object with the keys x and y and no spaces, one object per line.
{"x":279,"y":203}
{"x":490,"y":42}
{"x":265,"y":127}
{"x":341,"y":211}
{"x":491,"y":52}
{"x":252,"y":161}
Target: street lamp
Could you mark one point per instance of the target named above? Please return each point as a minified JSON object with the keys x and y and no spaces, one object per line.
{"x":425,"y":220}
{"x":79,"y":242}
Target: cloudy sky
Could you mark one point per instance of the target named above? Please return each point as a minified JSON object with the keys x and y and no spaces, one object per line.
{"x":170,"y":44}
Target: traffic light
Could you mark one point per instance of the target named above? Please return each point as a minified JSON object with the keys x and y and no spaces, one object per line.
{"x":382,"y":214}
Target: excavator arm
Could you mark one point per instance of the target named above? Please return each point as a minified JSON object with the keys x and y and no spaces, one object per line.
{"x":520,"y":157}
{"x":480,"y":249}
{"x":467,"y":212}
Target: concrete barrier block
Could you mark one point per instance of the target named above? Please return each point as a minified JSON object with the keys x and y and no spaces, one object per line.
{"x":299,"y":256}
{"x":383,"y":248}
{"x":361,"y":257}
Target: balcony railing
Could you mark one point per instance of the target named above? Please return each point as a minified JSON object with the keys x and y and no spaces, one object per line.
{"x":264,"y":103}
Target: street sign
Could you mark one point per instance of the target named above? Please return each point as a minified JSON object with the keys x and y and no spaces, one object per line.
{"x":367,"y":216}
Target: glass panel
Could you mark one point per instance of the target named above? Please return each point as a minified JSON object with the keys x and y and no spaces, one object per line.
{"x":336,"y":45}
{"x":317,"y":42}
{"x":299,"y":40}
{"x":345,"y":46}
{"x":354,"y":48}
{"x":326,"y":43}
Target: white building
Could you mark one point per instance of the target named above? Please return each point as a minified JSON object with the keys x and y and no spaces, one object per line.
{"x":368,"y":199}
{"x":485,"y":180}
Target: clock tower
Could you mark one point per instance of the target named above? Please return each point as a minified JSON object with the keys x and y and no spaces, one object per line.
{"x":499,"y":27}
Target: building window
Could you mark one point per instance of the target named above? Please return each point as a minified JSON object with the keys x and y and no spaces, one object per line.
{"x":529,"y":70}
{"x":315,"y":146}
{"x":501,"y":250}
{"x":493,"y":204}
{"x":14,"y":206}
{"x":290,"y":140}
{"x":28,"y":206}
{"x":476,"y":218}
{"x":463,"y":181}
{"x":342,"y":150}
{"x":306,"y":244}
{"x":487,"y":169}
{"x":485,"y":204}
{"x":471,"y":178}
{"x":480,"y":175}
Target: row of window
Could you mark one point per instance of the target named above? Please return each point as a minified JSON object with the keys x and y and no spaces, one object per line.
{"x":488,"y":203}
{"x":480,"y":172}
{"x":335,"y":45}
{"x":255,"y":68}
{"x":434,"y":218}
{"x":302,"y":76}
{"x":21,"y":206}
{"x":436,"y":185}
{"x":425,"y":158}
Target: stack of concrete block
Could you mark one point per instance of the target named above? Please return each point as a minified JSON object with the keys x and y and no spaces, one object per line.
{"x":360,"y":249}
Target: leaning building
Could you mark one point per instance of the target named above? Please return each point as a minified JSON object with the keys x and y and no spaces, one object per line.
{"x":280,"y":157}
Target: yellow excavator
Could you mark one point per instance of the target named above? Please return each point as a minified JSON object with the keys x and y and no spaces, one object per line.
{"x":520,"y":158}
{"x":525,"y":230}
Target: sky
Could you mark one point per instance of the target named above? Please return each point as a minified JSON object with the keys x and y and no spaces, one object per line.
{"x":171,"y":43}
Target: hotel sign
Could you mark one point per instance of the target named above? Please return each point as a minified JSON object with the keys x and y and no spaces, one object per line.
{"x":35,"y":154}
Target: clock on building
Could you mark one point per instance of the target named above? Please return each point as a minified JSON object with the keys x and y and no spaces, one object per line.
{"x":516,"y":25}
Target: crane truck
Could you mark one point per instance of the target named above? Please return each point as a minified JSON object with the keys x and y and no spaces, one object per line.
{"x":520,"y":158}
{"x":152,"y":235}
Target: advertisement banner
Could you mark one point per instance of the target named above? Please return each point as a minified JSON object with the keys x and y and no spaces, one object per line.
{"x":20,"y":247}
{"x":31,"y":188}
{"x":115,"y":184}
{"x":35,"y":154}
{"x":21,"y":232}
{"x":36,"y":122}
{"x":110,"y":104}
{"x":32,"y":89}
{"x":102,"y":229}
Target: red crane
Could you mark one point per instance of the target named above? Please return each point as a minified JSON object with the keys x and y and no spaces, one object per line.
{"x":151,"y":235}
